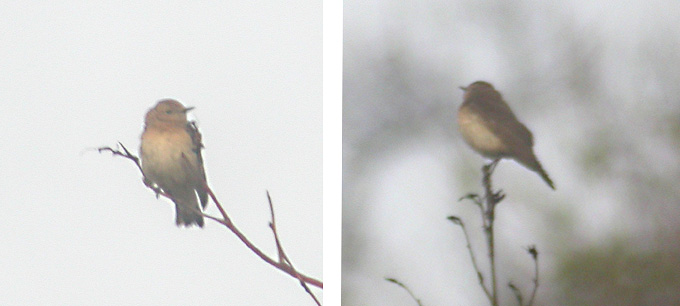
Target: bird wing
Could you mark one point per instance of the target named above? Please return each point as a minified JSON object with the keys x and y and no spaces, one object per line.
{"x":503,"y":122}
{"x":196,"y":140}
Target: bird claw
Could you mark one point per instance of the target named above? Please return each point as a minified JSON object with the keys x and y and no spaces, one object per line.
{"x":153,"y":187}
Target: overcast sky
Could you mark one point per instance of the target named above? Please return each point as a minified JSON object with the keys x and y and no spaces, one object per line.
{"x":79,"y":227}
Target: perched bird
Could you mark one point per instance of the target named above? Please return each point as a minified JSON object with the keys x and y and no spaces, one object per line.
{"x":490,"y":128}
{"x":171,"y":159}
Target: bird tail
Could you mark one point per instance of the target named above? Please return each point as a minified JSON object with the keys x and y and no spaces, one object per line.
{"x":544,"y":175}
{"x":188,"y":212}
{"x":530,"y":161}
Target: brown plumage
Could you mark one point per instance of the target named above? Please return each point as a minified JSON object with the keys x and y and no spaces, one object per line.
{"x":171,"y":158}
{"x":490,"y":127}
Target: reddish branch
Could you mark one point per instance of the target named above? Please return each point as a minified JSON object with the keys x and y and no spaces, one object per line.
{"x":283,"y":264}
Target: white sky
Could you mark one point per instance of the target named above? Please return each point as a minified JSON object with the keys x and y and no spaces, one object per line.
{"x":79,"y":227}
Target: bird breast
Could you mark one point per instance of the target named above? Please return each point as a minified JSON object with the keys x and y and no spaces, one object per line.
{"x":165,"y":157}
{"x":478,"y":135}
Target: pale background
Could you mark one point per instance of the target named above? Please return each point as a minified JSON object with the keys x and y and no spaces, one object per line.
{"x":78,"y":227}
{"x":598,"y":83}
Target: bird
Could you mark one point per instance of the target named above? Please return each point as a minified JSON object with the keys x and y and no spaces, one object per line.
{"x":171,"y":159}
{"x":489,"y":127}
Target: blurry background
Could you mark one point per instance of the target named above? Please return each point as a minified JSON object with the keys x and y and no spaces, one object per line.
{"x":599,"y":86}
{"x":80,"y":228}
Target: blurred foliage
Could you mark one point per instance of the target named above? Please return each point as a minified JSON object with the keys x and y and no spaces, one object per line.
{"x":618,"y":273}
{"x":606,"y":96}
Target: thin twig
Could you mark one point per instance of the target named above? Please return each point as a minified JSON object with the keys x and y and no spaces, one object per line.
{"x":517,"y":292}
{"x":282,"y":255}
{"x":226,"y":221}
{"x":487,"y":205}
{"x":392,"y":280}
{"x":492,"y":198}
{"x":478,"y":201}
{"x":283,"y":258}
{"x":125,"y":154}
{"x":534,"y":255}
{"x":458,"y":221}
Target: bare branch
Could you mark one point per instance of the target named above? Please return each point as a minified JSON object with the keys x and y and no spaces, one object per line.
{"x":517,"y":292}
{"x":125,"y":154}
{"x":392,"y":280}
{"x":492,"y":199}
{"x":534,"y":255}
{"x":458,"y":221}
{"x":283,"y":258}
{"x":487,"y":205}
{"x":283,"y":264}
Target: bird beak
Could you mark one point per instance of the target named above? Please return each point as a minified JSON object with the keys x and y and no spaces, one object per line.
{"x":463,"y":88}
{"x":188,"y":109}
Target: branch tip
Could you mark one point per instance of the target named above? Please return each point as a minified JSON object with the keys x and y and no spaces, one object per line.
{"x":284,"y":264}
{"x":455,"y":220}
